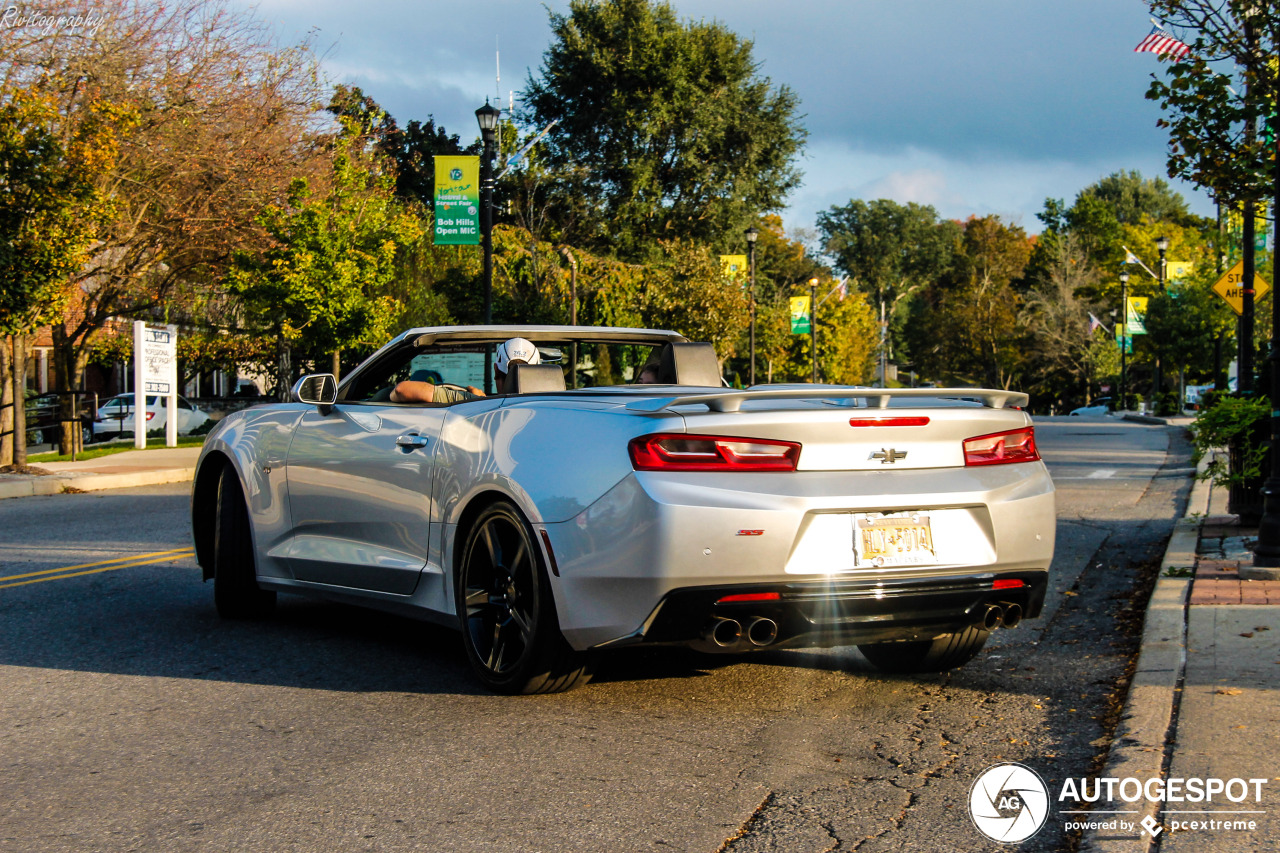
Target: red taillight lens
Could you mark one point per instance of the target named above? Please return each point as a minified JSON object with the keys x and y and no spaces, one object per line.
{"x":677,"y":452}
{"x":1015,"y":445}
{"x":750,"y":596}
{"x":1007,"y":583}
{"x":891,"y":422}
{"x":150,"y":415}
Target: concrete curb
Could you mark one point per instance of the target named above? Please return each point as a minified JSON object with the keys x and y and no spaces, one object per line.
{"x":1144,"y":733}
{"x":57,"y":484}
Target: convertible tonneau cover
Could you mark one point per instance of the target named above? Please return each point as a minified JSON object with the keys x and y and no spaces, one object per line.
{"x":731,"y":401}
{"x":538,"y":334}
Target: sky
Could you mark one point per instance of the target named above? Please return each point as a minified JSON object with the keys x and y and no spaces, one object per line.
{"x":977,"y":107}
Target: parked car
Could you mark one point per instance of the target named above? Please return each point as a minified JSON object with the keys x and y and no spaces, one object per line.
{"x":44,"y":420}
{"x":551,"y":525}
{"x":116,"y":415}
{"x":1100,"y":406}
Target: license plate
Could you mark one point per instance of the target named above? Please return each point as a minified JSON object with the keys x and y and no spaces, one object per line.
{"x":900,"y":539}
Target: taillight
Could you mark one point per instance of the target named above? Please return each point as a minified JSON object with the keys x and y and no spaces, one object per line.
{"x":750,"y":596}
{"x":150,"y":415}
{"x":1015,"y":445}
{"x":679,"y":452}
{"x":1007,"y":583}
{"x":889,"y":422}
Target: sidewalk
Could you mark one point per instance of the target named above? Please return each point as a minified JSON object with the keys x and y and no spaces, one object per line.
{"x":117,"y":471}
{"x":1205,"y":698}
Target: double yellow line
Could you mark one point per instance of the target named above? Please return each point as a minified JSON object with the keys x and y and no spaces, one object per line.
{"x":95,"y":568}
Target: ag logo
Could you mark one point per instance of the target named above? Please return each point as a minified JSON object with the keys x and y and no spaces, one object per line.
{"x":1009,"y":803}
{"x":455,"y":174}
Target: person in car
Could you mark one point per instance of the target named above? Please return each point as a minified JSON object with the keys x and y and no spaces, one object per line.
{"x":513,"y":351}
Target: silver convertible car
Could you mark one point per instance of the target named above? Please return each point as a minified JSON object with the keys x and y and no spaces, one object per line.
{"x":571,"y":512}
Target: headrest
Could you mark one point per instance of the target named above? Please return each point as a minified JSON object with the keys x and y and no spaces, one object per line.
{"x":532,"y":378}
{"x":689,"y":364}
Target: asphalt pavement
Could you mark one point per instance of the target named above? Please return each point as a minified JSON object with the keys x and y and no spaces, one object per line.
{"x":1203,"y":707}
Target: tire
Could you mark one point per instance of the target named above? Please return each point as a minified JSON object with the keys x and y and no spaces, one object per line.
{"x":507,"y":613}
{"x":938,"y":655}
{"x":236,"y":593}
{"x":86,"y":434}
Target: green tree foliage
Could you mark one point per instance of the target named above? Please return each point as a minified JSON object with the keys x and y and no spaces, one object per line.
{"x":666,"y":130}
{"x":1215,"y":95}
{"x":412,"y":148}
{"x":971,"y":318}
{"x":322,"y":286}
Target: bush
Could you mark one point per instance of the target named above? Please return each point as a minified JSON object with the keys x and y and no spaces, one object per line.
{"x":1167,"y":403}
{"x":1231,"y":422}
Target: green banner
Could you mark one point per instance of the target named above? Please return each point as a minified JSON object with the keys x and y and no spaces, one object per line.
{"x":800,"y":315}
{"x":1123,"y":340}
{"x":1137,"y":315}
{"x":457,"y":201}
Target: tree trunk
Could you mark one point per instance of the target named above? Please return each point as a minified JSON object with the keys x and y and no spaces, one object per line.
{"x":19,"y":399}
{"x":64,"y":369}
{"x":6,"y":401}
{"x":336,"y":370}
{"x":284,"y":372}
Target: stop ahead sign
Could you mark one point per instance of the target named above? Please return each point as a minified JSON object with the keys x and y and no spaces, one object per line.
{"x":1231,"y":287}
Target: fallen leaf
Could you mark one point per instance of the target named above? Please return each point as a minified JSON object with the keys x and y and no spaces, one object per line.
{"x":1229,"y":691}
{"x":1247,"y":634}
{"x":1262,"y":628}
{"x":1069,"y":592}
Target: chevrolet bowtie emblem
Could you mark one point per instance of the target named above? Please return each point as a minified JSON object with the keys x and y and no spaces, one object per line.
{"x":890,"y":456}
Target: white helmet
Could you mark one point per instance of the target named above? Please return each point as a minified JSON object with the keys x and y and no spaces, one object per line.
{"x":516,"y":349}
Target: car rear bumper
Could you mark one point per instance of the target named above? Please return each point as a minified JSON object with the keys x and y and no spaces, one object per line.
{"x":658,"y":550}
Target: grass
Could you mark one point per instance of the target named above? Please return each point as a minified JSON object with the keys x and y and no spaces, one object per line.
{"x":96,"y":450}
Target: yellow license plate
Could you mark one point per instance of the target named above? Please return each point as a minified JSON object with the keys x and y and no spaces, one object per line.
{"x":893,"y":540}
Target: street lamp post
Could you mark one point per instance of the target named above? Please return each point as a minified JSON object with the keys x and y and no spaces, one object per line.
{"x":813,"y":326}
{"x":1124,"y":341}
{"x":1162,"y":244}
{"x":752,"y":234}
{"x":487,"y":116}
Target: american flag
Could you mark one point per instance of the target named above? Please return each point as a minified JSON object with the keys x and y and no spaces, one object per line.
{"x":1160,"y":42}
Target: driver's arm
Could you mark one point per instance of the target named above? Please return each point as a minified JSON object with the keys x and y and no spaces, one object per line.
{"x":411,"y":391}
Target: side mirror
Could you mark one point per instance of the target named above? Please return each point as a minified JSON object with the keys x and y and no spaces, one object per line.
{"x":319,"y":389}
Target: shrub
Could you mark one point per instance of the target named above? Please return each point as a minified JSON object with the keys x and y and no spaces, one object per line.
{"x":1231,"y":422}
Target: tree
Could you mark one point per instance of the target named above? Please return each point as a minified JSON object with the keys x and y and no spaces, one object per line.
{"x":971,"y":329}
{"x":889,"y":250}
{"x":320,"y":287}
{"x":1213,"y":110}
{"x":224,"y":121}
{"x":1066,"y":352}
{"x":51,"y":207}
{"x":666,"y":129}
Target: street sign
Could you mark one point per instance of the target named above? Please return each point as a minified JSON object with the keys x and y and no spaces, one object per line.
{"x":1230,"y":287}
{"x":457,"y":201}
{"x":159,"y":361}
{"x":800,"y":315}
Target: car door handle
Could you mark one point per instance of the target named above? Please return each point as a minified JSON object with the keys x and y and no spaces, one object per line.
{"x":412,"y":439}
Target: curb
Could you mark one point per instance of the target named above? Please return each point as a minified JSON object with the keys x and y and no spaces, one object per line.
{"x":1145,"y":732}
{"x":59,"y":484}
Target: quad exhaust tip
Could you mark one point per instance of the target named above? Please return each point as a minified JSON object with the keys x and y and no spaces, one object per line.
{"x":1012,"y":615}
{"x":724,"y":632}
{"x":993,"y":618}
{"x":762,"y":631}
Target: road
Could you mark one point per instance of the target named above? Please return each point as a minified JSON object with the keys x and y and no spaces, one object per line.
{"x":132,"y":718}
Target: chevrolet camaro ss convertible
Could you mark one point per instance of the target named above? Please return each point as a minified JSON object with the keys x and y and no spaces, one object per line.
{"x":570,"y":512}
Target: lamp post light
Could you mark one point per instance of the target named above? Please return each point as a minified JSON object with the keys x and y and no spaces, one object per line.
{"x":1162,"y":244}
{"x":487,"y":117}
{"x":1124,"y":341}
{"x":752,"y":234}
{"x":813,"y":327}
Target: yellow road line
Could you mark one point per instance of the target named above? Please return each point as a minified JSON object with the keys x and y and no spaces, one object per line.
{"x":100,"y":563}
{"x":168,"y":557}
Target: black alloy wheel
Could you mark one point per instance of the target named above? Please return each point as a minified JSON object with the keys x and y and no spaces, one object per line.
{"x":506,"y":610}
{"x":236,"y":593}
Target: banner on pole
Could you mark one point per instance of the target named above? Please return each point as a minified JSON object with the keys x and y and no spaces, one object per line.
{"x":457,"y":201}
{"x":800,"y":315}
{"x":734,"y":267}
{"x":1137,"y":315}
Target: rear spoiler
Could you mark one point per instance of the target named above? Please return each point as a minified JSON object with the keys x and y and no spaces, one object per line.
{"x":878,"y":398}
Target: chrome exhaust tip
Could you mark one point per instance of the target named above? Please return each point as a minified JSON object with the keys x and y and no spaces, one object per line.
{"x":993,"y":617}
{"x":762,"y":631}
{"x":724,"y":632}
{"x":1012,"y":615}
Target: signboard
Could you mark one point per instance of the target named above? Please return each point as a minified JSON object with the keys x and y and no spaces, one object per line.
{"x":457,"y":201}
{"x":1125,"y":342}
{"x":1231,"y":287}
{"x":155,"y":372}
{"x":735,"y":267}
{"x":1137,"y":315}
{"x":800,"y":315}
{"x":1180,"y":269}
